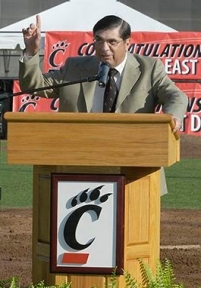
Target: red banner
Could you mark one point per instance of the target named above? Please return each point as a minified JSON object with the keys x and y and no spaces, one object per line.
{"x":179,"y":51}
{"x":192,"y":118}
{"x":33,"y":103}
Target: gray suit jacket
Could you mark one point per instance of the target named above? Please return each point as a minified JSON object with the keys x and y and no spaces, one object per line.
{"x":144,"y":85}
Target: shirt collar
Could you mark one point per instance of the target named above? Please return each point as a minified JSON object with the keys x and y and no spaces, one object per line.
{"x":121,"y":66}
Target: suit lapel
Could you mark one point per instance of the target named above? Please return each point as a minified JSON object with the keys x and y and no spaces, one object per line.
{"x":130,"y":75}
{"x":88,"y":92}
{"x":89,"y":69}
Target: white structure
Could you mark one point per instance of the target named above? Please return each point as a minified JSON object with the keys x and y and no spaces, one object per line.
{"x":68,"y":17}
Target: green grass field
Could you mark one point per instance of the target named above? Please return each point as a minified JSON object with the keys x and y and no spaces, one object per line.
{"x":184,"y":185}
{"x":183,"y":181}
{"x":15,"y":182}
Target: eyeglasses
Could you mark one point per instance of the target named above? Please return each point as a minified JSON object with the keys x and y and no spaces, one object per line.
{"x":110,"y":42}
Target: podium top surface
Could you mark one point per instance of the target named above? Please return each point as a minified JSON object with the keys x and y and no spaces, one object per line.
{"x":91,"y":139}
{"x":88,"y":117}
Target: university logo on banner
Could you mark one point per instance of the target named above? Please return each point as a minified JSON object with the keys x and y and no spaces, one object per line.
{"x":33,"y":103}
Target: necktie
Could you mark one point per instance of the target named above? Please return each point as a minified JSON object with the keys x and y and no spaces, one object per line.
{"x":110,"y":92}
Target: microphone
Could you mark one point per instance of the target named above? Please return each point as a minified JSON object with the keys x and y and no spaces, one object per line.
{"x":102,"y":74}
{"x":7,"y":95}
{"x":101,"y":77}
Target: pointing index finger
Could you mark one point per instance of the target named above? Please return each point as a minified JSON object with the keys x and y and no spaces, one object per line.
{"x":38,"y":22}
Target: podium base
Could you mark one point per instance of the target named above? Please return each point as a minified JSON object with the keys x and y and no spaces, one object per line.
{"x":141,"y":224}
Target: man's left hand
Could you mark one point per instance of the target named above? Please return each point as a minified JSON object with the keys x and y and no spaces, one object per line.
{"x":177,"y":122}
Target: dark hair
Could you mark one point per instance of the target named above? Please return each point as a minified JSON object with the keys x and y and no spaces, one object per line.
{"x":112,"y":21}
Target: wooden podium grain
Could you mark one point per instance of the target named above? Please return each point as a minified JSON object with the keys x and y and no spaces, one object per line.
{"x":136,"y":145}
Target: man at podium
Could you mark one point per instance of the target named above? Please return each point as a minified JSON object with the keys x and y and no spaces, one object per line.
{"x":126,"y":83}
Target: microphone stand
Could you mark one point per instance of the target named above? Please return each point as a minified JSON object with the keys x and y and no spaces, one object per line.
{"x":31,"y":91}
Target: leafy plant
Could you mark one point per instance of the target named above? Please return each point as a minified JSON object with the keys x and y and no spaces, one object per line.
{"x":42,"y":285}
{"x":130,"y":282}
{"x":14,"y":283}
{"x":10,"y":283}
{"x":113,"y":280}
{"x":164,"y":278}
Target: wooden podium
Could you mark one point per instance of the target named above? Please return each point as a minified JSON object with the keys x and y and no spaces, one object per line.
{"x":136,"y":145}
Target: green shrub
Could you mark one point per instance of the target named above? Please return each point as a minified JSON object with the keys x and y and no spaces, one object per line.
{"x":164,"y":278}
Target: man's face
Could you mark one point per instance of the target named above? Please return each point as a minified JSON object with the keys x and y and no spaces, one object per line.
{"x":110,"y":47}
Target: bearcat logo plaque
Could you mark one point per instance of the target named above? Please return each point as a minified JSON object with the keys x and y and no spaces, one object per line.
{"x":87,"y":223}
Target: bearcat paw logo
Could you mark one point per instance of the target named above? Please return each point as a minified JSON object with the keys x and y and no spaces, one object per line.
{"x":60,"y":45}
{"x":29,"y":100}
{"x":87,"y":197}
{"x":93,"y":195}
